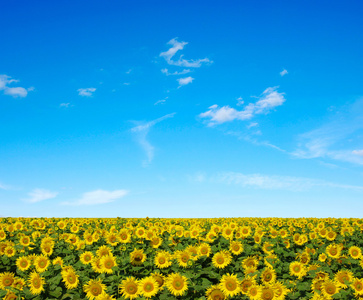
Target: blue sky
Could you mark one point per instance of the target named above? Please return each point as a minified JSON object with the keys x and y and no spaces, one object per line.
{"x":181,"y":109}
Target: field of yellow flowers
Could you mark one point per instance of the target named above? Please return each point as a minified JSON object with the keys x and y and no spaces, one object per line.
{"x":214,"y":259}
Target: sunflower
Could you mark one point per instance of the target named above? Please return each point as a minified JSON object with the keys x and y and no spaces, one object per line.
{"x":182,"y":258}
{"x":177,"y":284}
{"x":105,"y":296}
{"x":333,"y":250}
{"x":57,"y":261}
{"x":36,"y":283}
{"x":148,"y":287}
{"x":355,"y":252}
{"x":227,"y":233}
{"x":267,"y":293}
{"x":204,"y":249}
{"x":268,"y":276}
{"x":316,"y":285}
{"x":2,"y":235}
{"x":140,"y":232}
{"x":254,"y":292}
{"x":331,"y":235}
{"x":86,"y":257}
{"x":268,"y":247}
{"x":129,"y":288}
{"x":137,"y":257}
{"x":159,"y":278}
{"x":10,"y":296}
{"x":96,"y":265}
{"x":162,"y":259}
{"x":297,"y":269}
{"x":112,"y":239}
{"x":24,"y":241}
{"x":70,"y":278}
{"x":107,"y":263}
{"x":322,"y":257}
{"x":357,"y":286}
{"x":94,"y":288}
{"x":236,"y":247}
{"x":6,"y":280}
{"x":103,"y":251}
{"x":23,"y":263}
{"x":230,"y":285}
{"x":124,"y":236}
{"x":47,"y":249}
{"x":156,"y":242}
{"x":221,"y":259}
{"x":246,"y":283}
{"x":214,"y":293}
{"x":280,"y":290}
{"x":342,"y":277}
{"x":245,"y":231}
{"x":329,"y":288}
{"x":9,"y":251}
{"x":41,"y":263}
{"x":250,"y":262}
{"x":18,"y":283}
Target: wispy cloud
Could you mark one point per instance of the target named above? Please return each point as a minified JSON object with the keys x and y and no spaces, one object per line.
{"x":162,"y":101}
{"x":141,"y":132}
{"x":15,"y":92}
{"x":185,"y":81}
{"x":166,"y":72}
{"x":181,"y":62}
{"x":4,"y":187}
{"x":87,"y":92}
{"x":38,"y":195}
{"x":283,"y":72}
{"x":274,"y":182}
{"x":269,"y":99}
{"x":66,"y":105}
{"x":338,"y":139}
{"x":98,"y":197}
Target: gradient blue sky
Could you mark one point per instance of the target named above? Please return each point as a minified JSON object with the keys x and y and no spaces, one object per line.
{"x":181,"y":109}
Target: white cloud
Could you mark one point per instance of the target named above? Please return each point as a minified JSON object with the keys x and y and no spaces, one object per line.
{"x":274,"y":182}
{"x":240,"y":101}
{"x":283,"y":72}
{"x":88,"y":92}
{"x":175,"y":47}
{"x":5,"y":80}
{"x":358,"y":152}
{"x":269,"y":99}
{"x":64,"y":105}
{"x":162,"y":101}
{"x":128,"y":71}
{"x":166,"y":72}
{"x":126,"y":83}
{"x":98,"y":197}
{"x":335,"y":139}
{"x":38,"y":195}
{"x":141,"y":132}
{"x":253,"y":124}
{"x":185,"y":81}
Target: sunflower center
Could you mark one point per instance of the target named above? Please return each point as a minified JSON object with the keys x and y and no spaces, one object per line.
{"x":36,"y":283}
{"x":178,"y":284}
{"x":71,"y":279}
{"x":217,"y":295}
{"x":297,"y":269}
{"x":161,"y":260}
{"x":231,"y":285}
{"x":253,"y":292}
{"x":333,"y":251}
{"x":330,"y":290}
{"x":267,"y":295}
{"x":96,"y":291}
{"x":131,"y":289}
{"x":23,"y":264}
{"x":220,"y":260}
{"x":149,"y":287}
{"x":359,"y":286}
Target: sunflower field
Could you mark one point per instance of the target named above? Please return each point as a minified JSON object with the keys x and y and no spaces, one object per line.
{"x":214,"y":259}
